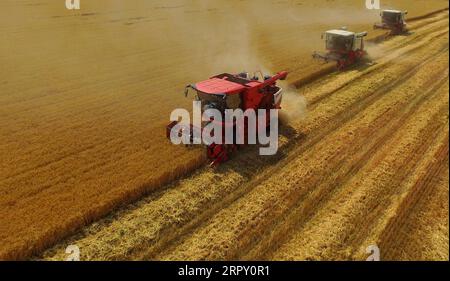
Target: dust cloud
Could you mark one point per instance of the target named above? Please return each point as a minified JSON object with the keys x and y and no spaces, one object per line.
{"x":293,"y":105}
{"x":229,"y":43}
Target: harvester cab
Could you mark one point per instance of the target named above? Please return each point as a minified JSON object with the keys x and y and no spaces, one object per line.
{"x":229,"y":91}
{"x":344,"y":47}
{"x":392,"y":20}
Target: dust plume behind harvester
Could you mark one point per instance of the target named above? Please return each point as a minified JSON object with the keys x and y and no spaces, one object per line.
{"x":343,"y":46}
{"x":393,"y":20}
{"x":229,"y":91}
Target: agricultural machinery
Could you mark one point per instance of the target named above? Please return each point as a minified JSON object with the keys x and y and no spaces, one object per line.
{"x":228,"y":91}
{"x":392,"y":20}
{"x":344,"y":47}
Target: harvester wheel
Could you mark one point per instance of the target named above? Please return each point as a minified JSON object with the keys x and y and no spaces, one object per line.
{"x":217,"y":153}
{"x":213,"y":150}
{"x":341,"y":64}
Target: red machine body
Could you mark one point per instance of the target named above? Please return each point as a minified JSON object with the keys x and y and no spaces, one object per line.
{"x":228,"y":91}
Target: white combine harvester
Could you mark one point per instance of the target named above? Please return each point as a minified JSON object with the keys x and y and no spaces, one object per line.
{"x":392,"y":20}
{"x":344,"y":47}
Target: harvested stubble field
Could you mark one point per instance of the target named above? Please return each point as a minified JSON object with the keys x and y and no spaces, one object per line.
{"x":85,"y":97}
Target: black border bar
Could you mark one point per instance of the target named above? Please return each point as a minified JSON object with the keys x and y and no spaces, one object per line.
{"x":218,"y":270}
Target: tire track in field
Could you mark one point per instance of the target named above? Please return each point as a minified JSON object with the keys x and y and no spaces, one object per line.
{"x":389,"y":233}
{"x":423,"y":235}
{"x":392,"y":238}
{"x":435,"y":133}
{"x":329,"y":247}
{"x":359,"y":238}
{"x":314,"y":240}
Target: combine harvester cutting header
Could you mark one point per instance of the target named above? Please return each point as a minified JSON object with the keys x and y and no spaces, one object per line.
{"x":392,"y":20}
{"x":228,"y":91}
{"x":344,"y":47}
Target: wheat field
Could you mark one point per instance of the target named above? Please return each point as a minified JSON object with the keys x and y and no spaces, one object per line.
{"x":85,"y":96}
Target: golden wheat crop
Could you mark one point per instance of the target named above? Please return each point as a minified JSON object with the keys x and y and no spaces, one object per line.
{"x":85,"y":96}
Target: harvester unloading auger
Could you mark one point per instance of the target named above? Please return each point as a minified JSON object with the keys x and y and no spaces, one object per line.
{"x":228,"y":91}
{"x":344,"y":47}
{"x":392,"y":20}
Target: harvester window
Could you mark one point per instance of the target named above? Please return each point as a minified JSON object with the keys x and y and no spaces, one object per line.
{"x":391,"y":17}
{"x":221,"y":102}
{"x":216,"y":101}
{"x":210,"y":97}
{"x":336,"y":42}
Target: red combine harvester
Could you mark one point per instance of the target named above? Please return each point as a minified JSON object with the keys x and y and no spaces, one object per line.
{"x":344,"y":47}
{"x":392,"y":20}
{"x":228,"y":91}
